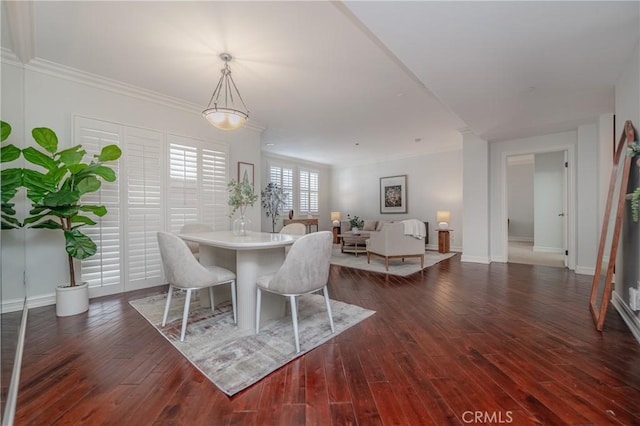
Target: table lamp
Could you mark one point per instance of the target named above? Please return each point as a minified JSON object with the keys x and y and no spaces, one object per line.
{"x":443,"y":217}
{"x":335,"y":217}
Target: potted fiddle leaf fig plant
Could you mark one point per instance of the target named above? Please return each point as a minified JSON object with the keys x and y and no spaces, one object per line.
{"x":10,"y":180}
{"x":55,"y":189}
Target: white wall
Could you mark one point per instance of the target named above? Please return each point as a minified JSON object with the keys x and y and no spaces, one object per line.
{"x":53,"y":95}
{"x":434,"y":182}
{"x":12,"y":241}
{"x":548,"y":189}
{"x":627,"y":265}
{"x":324,"y":179}
{"x":520,"y":200}
{"x":587,"y":187}
{"x":476,"y":200}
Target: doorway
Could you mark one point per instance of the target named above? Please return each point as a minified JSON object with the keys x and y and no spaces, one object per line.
{"x":537,"y":208}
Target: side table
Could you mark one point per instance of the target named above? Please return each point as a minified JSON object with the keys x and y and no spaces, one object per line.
{"x":336,"y":238}
{"x":443,"y":240}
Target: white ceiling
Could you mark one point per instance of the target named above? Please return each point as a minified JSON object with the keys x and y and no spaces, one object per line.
{"x":340,"y":83}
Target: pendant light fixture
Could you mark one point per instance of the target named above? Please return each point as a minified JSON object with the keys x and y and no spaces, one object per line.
{"x":226,"y":109}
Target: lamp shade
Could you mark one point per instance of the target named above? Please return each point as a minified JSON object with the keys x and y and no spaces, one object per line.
{"x":443,"y":217}
{"x":226,"y":109}
{"x":335,"y":217}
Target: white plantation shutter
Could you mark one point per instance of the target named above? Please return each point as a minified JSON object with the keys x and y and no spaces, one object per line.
{"x":214,"y":187}
{"x":197,"y":183}
{"x":308,"y":191}
{"x":284,"y":178}
{"x":103,"y":270}
{"x":163,"y":181}
{"x":144,"y":207}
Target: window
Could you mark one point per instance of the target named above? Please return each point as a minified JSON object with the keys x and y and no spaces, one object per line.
{"x":284,"y":178}
{"x":308,"y":192}
{"x":104,"y":268}
{"x":163,"y":181}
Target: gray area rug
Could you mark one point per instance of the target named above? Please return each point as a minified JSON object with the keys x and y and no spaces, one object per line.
{"x":396,"y":266}
{"x":234,"y":359}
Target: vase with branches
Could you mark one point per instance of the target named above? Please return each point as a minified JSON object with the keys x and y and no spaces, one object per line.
{"x":273,"y":200}
{"x":241,"y":196}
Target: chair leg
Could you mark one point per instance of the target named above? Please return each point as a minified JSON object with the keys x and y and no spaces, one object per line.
{"x":211,"y":298}
{"x":185,"y":315}
{"x":258,"y":297}
{"x":166,"y":305}
{"x":294,"y":318}
{"x":233,"y":301}
{"x":326,"y":301}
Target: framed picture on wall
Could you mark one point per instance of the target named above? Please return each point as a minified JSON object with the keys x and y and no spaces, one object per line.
{"x":393,"y":194}
{"x":245,"y":172}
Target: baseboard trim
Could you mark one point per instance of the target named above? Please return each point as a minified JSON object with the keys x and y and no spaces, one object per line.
{"x":628,"y":316}
{"x":40,"y":301}
{"x":475,"y":259}
{"x":521,"y":239}
{"x":13,"y":305}
{"x":542,"y":249}
{"x":12,"y":392}
{"x":585,"y":270}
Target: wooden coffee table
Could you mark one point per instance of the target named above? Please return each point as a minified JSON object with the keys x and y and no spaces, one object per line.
{"x":360,"y":242}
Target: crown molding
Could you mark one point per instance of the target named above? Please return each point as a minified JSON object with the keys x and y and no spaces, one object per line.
{"x":53,"y":69}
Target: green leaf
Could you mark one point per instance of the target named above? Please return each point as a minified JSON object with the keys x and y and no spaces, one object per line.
{"x":7,"y":208}
{"x":9,"y":153}
{"x":34,"y":219}
{"x":35,"y":180}
{"x":97,"y":210}
{"x":61,"y":198}
{"x":109,"y":153}
{"x":72,"y":155}
{"x":36,"y":157}
{"x":106,"y":173}
{"x":83,"y":219}
{"x":10,"y":219}
{"x":57,"y":175}
{"x":77,"y":168}
{"x":47,"y":224}
{"x":78,"y":245}
{"x":6,"y":225}
{"x":46,"y":138}
{"x":5,"y":131}
{"x":88,"y":184}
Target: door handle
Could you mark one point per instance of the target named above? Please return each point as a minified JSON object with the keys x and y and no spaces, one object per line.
{"x":561,"y":214}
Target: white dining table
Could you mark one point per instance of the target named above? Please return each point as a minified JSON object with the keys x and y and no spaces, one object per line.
{"x":248,"y":256}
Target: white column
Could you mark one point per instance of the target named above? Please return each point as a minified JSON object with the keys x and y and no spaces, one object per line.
{"x":475,"y":196}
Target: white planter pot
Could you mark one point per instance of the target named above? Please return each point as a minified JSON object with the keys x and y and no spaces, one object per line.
{"x":72,"y":300}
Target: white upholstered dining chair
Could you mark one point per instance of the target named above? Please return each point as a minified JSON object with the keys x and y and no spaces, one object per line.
{"x":189,"y":228}
{"x":184,"y":272}
{"x":305,"y":270}
{"x":294,"y":229}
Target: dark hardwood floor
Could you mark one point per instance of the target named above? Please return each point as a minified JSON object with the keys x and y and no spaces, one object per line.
{"x":460,"y":343}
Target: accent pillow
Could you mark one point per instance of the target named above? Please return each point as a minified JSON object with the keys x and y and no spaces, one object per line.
{"x":369,"y":225}
{"x":380,"y":224}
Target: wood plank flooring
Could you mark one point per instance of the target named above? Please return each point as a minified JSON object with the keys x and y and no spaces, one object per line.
{"x":460,"y":343}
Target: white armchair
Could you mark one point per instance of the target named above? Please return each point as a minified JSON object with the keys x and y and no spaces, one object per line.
{"x":391,"y":242}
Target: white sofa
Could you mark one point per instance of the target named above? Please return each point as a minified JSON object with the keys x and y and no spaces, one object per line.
{"x":391,"y":242}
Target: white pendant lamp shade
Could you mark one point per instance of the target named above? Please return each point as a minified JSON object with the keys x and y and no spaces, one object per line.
{"x":225,"y":119}
{"x":226,"y":109}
